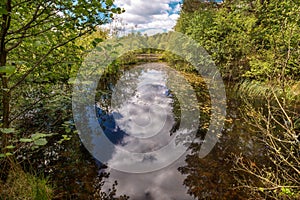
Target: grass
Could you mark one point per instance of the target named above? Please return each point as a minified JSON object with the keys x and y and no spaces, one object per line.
{"x":260,"y":90}
{"x":25,"y":186}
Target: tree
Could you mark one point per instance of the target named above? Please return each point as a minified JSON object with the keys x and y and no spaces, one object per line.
{"x":247,"y":39}
{"x":36,"y":30}
{"x":275,"y":37}
{"x":37,"y":46}
{"x":256,"y":42}
{"x":223,"y":31}
{"x":277,"y":127}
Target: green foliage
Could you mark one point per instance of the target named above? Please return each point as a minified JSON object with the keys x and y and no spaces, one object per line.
{"x":277,"y":44}
{"x":7,"y":69}
{"x":257,"y":43}
{"x":41,"y":50}
{"x":7,"y":130}
{"x":287,"y":191}
{"x":247,"y":39}
{"x":38,"y":139}
{"x":34,"y":141}
{"x":223,"y":34}
{"x":259,"y":90}
{"x":275,"y":122}
{"x":4,"y":155}
{"x":21,"y":185}
{"x":39,"y":44}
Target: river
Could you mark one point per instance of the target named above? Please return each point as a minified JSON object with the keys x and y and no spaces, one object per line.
{"x":154,"y":121}
{"x":138,"y":116}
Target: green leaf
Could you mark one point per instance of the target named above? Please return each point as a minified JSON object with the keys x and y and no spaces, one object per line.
{"x":34,"y":147}
{"x":100,"y":49}
{"x":8,"y":154}
{"x":66,"y":137}
{"x":71,"y":81}
{"x":7,"y":130}
{"x":5,"y":89}
{"x":119,"y":10}
{"x":68,"y":130}
{"x":109,"y":2}
{"x":9,"y":69}
{"x":5,"y":155}
{"x":10,"y":147}
{"x":38,"y":135}
{"x":3,"y":11}
{"x":37,"y":43}
{"x":40,"y":142}
{"x":25,"y":140}
{"x":286,"y":191}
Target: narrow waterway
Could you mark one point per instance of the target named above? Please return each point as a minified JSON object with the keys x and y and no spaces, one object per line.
{"x":154,"y":121}
{"x":139,"y":115}
{"x":141,"y":119}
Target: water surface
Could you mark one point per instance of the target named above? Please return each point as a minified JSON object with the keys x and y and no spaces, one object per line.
{"x":141,"y":119}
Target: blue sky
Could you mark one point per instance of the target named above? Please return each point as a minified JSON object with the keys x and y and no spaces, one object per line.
{"x":146,"y":16}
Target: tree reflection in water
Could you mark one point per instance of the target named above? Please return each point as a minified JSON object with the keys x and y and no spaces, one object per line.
{"x":139,"y":90}
{"x":207,"y":178}
{"x":212,"y":177}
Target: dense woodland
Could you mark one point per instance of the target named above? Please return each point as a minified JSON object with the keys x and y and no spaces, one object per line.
{"x":254,"y":43}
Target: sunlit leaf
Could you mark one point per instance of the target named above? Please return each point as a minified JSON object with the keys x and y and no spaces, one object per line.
{"x":10,"y":147}
{"x":8,"y":154}
{"x":7,"y":130}
{"x":40,"y":142}
{"x":109,"y":2}
{"x":9,"y":69}
{"x":38,"y":135}
{"x":25,"y":140}
{"x":41,"y":135}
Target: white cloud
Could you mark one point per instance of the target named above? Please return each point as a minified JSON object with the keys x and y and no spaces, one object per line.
{"x":165,"y":184}
{"x":149,"y":17}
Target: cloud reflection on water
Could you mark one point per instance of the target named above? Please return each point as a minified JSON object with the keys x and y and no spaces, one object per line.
{"x":142,"y":123}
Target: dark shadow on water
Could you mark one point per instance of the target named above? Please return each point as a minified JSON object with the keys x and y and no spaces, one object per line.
{"x":109,"y":126}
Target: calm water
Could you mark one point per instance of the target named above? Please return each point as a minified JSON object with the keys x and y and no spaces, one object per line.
{"x":137,"y":115}
{"x":141,"y":114}
{"x":141,"y":119}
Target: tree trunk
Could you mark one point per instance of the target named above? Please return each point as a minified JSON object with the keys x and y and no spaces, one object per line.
{"x":3,"y":59}
{"x":5,"y":93}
